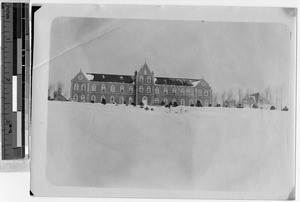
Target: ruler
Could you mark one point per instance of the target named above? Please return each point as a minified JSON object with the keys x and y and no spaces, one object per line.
{"x":15,"y":79}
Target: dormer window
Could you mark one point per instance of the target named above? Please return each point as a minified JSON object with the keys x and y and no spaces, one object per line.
{"x":148,"y":79}
{"x":141,"y":79}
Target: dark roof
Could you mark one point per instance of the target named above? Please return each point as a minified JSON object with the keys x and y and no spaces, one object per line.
{"x":175,"y":81}
{"x":112,"y":78}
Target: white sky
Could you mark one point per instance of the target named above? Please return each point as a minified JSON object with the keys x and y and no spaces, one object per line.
{"x":228,"y":55}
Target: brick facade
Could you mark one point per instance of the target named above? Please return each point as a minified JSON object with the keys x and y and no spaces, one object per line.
{"x":142,"y":87}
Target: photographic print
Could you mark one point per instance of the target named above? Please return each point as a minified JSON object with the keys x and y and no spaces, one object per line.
{"x":172,"y":105}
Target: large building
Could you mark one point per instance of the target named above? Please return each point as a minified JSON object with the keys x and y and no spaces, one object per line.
{"x":142,"y":87}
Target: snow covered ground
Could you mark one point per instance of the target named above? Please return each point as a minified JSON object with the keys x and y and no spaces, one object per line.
{"x":203,"y":149}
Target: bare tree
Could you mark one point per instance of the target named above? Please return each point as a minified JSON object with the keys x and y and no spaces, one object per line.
{"x":230,"y":94}
{"x":223,"y":96}
{"x":60,"y":86}
{"x":50,"y":90}
{"x":215,"y":98}
{"x":240,"y":94}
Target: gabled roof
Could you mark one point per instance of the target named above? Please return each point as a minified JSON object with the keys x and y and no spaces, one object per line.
{"x":111,"y":78}
{"x":176,"y":81}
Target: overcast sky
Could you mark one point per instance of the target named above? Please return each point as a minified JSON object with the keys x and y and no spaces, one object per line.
{"x":228,"y":55}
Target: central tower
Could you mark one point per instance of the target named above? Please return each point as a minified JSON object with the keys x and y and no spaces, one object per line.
{"x":145,"y":86}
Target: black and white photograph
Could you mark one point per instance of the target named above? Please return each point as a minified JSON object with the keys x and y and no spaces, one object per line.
{"x":145,"y":101}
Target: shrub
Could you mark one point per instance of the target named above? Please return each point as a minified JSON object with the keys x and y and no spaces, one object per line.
{"x":103,"y":101}
{"x":142,"y":105}
{"x":218,"y":105}
{"x":273,"y":108}
{"x":146,"y":108}
{"x":162,"y":103}
{"x":210,"y":105}
{"x":175,"y":104}
{"x":254,"y":106}
{"x":133,"y":104}
{"x":92,"y":101}
{"x":240,"y":106}
{"x":198,"y":103}
{"x":285,"y":109}
{"x":192,"y":105}
{"x":152,"y":109}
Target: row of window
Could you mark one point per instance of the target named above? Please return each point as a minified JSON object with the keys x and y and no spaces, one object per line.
{"x":130,"y":100}
{"x":182,"y":101}
{"x":141,"y":79}
{"x":93,"y":98}
{"x":103,"y":88}
{"x":141,"y":89}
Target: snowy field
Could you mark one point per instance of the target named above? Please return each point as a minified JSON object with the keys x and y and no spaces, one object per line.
{"x":202,"y":149}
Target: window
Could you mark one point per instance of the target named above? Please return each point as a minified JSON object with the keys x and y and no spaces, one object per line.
{"x":94,"y":87}
{"x":141,"y":79}
{"x":205,"y":93}
{"x":141,"y":89}
{"x":156,"y":90}
{"x":112,"y":89}
{"x":206,"y":103}
{"x":83,"y":98}
{"x":130,"y":89}
{"x":199,"y":92}
{"x":130,"y":100}
{"x":174,"y":100}
{"x":148,"y":89}
{"x":93,"y":98}
{"x":182,"y":102}
{"x":121,"y":100}
{"x":83,"y":87}
{"x":76,"y":86}
{"x":102,"y":98}
{"x":80,"y":77}
{"x":122,"y":89}
{"x":112,"y":99}
{"x":148,"y":79}
{"x":191,"y":102}
{"x":156,"y":101}
{"x":145,"y":71}
{"x":182,"y":91}
{"x":165,"y":91}
{"x":203,"y":84}
{"x":174,"y":91}
{"x":75,"y":97}
{"x":103,"y":88}
{"x":192,"y":92}
{"x":166,"y":101}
